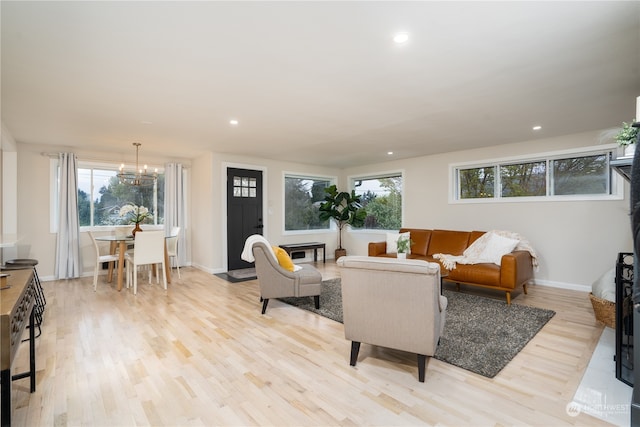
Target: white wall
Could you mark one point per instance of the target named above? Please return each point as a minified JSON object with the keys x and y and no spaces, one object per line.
{"x":205,"y":218}
{"x":576,"y":241}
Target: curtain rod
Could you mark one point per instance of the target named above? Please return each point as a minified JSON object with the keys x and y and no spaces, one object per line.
{"x":89,"y":159}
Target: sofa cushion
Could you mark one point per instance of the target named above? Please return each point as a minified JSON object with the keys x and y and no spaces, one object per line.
{"x":420,"y":240}
{"x":481,"y":274}
{"x":448,"y":242}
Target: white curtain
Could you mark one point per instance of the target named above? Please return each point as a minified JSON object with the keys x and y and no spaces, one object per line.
{"x":68,"y":260}
{"x":175,"y":206}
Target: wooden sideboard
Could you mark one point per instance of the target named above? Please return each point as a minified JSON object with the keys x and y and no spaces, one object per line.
{"x":17,"y":303}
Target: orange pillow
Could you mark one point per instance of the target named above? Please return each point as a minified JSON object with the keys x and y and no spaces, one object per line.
{"x":283,"y":258}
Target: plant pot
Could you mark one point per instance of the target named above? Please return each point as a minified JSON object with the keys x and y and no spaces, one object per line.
{"x":402,"y":255}
{"x":629,"y":150}
{"x":136,"y":229}
{"x":339,"y":253}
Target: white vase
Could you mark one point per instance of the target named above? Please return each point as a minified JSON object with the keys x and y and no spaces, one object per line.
{"x":629,"y":150}
{"x":402,"y":255}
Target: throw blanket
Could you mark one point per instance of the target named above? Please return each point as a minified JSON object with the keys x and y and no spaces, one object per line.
{"x":474,"y":254}
{"x":247,"y":251}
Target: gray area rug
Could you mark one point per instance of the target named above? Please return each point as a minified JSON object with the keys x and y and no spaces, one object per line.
{"x":480,"y":334}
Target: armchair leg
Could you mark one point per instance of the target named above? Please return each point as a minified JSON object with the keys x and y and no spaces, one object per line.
{"x":422,"y":362}
{"x":316,"y":299}
{"x":264,"y":305}
{"x":355,"y":349}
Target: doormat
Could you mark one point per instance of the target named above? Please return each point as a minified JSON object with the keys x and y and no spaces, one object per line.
{"x":235,"y":276}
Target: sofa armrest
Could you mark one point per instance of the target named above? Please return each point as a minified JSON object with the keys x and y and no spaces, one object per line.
{"x":516,"y":269}
{"x":377,"y":248}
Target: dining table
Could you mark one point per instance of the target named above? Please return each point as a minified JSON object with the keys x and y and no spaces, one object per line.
{"x":120,"y":242}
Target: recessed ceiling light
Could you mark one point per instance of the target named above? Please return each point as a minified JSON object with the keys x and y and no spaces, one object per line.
{"x":233,"y":122}
{"x":389,"y":153}
{"x":537,"y":127}
{"x":401,"y":38}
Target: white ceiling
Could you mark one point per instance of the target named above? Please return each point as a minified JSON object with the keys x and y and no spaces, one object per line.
{"x":314,"y":82}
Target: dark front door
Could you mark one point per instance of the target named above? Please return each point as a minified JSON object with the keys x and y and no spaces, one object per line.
{"x":244,"y":212}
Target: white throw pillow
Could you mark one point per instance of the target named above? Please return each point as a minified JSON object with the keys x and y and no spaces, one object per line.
{"x":392,"y":241}
{"x":496,"y":247}
{"x":605,"y":286}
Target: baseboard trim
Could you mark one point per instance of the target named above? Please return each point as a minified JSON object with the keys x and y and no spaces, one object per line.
{"x":208,"y":270}
{"x":563,"y":285}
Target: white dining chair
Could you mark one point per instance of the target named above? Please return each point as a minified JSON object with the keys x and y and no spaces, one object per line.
{"x":172,"y":247}
{"x":100,"y":258}
{"x":148,"y":249}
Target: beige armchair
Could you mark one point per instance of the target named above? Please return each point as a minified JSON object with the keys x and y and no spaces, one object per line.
{"x":392,"y":303}
{"x":276,"y":282}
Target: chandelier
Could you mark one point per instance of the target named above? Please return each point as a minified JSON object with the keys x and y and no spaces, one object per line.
{"x":140,"y":177}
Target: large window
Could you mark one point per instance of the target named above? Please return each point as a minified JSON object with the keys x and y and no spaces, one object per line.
{"x":101,"y":195}
{"x":381,"y":196}
{"x":573,"y":175}
{"x":302,"y":197}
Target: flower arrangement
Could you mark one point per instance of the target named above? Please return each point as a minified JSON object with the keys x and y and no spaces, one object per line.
{"x":627,"y":135}
{"x":135,"y":214}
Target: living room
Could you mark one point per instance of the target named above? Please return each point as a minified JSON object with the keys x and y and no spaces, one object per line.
{"x":576,"y":240}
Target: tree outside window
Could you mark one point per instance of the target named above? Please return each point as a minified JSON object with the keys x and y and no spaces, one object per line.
{"x":477,"y":183}
{"x":582,"y":174}
{"x":101,"y":195}
{"x":524,"y":179}
{"x":382,"y":199}
{"x":302,"y":197}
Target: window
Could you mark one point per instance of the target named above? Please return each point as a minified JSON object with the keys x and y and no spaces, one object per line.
{"x":576,"y":175}
{"x":523,"y":179}
{"x":476,"y":183}
{"x":302,"y":197}
{"x":100,"y":196}
{"x":381,"y":196}
{"x":244,"y":186}
{"x":581,"y":175}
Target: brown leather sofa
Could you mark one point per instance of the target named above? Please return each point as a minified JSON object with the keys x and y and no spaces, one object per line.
{"x":516,"y":268}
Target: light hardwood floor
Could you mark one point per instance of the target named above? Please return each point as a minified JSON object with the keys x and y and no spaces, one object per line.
{"x":202,"y":354}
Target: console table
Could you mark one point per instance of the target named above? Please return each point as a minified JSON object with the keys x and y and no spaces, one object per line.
{"x":17,"y":302}
{"x":304,"y":246}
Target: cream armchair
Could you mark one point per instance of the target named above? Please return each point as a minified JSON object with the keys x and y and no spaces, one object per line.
{"x":392,"y":303}
{"x":275,"y":281}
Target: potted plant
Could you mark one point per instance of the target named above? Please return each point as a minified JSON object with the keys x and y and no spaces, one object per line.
{"x":627,"y":138}
{"x":404,"y":243}
{"x":135,"y":215}
{"x":345,"y":209}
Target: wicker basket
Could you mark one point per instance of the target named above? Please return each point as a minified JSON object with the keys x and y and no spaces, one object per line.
{"x":605,"y":311}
